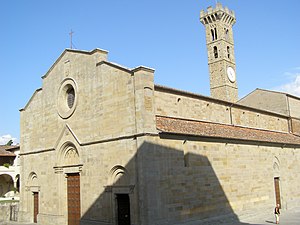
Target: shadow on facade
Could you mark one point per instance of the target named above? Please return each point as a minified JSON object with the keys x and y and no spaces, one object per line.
{"x":164,"y":186}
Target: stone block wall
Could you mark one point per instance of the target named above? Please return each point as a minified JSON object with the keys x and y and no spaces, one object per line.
{"x":188,"y":179}
{"x":100,"y":91}
{"x":97,"y":179}
{"x":182,"y":105}
{"x":258,"y":119}
{"x":8,"y":211}
{"x":267,"y":100}
{"x":294,"y":105}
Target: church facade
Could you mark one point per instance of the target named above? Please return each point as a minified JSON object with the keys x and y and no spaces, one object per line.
{"x":102,"y":144}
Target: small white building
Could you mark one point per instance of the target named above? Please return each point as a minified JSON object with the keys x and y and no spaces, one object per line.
{"x":9,"y":172}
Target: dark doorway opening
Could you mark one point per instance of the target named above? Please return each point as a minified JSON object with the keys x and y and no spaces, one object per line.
{"x":123,"y":204}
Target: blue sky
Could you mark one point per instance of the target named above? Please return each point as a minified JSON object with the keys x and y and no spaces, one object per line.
{"x":164,"y":35}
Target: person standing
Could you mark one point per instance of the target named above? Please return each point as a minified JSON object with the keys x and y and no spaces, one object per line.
{"x":277,"y":213}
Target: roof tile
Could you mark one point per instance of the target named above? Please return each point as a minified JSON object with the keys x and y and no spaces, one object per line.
{"x":214,"y":130}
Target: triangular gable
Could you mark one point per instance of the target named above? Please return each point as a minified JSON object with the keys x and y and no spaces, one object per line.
{"x":66,"y":134}
{"x":31,"y":99}
{"x":74,"y":51}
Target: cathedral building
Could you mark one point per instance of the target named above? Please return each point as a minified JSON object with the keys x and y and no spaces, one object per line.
{"x":101,"y":144}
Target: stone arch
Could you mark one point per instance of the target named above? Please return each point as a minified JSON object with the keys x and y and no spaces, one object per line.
{"x":119,"y":176}
{"x":276,"y":167}
{"x":6,"y":185}
{"x":33,"y":180}
{"x":68,"y":155}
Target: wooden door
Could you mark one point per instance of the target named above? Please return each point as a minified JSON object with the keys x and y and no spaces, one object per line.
{"x":35,"y":206}
{"x":73,"y":183}
{"x":277,"y":191}
{"x":123,"y":204}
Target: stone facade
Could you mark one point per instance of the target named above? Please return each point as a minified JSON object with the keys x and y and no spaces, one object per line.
{"x":102,"y":144}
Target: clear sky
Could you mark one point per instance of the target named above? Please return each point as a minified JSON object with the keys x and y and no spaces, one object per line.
{"x":162,"y":34}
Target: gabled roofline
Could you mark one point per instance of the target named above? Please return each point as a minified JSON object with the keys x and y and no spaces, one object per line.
{"x":36,"y":91}
{"x":75,"y":51}
{"x":249,"y":94}
{"x":126,"y":69}
{"x":277,"y":92}
{"x":115,"y":65}
{"x":148,"y":69}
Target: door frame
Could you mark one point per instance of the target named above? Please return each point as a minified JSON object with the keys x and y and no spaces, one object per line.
{"x":117,"y":209}
{"x":36,"y":207}
{"x":67,"y":176}
{"x":277,"y":186}
{"x":114,"y":191}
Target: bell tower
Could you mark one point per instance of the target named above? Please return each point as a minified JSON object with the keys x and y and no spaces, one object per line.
{"x":218,"y":24}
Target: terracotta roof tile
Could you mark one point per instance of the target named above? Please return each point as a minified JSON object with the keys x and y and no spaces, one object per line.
{"x":5,"y":150}
{"x":214,"y":130}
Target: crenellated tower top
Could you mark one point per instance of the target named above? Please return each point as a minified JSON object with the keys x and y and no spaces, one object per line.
{"x":219,"y":13}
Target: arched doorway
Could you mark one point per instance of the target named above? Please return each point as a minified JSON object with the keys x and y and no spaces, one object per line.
{"x":34,"y":189}
{"x":121,"y":189}
{"x":69,"y":164}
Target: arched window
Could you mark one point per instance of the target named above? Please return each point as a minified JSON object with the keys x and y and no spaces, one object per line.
{"x":216,"y":52}
{"x":228,"y":52}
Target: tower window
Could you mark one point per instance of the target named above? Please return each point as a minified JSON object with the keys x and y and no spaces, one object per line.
{"x":216,"y":52}
{"x":209,"y":19}
{"x":216,"y":36}
{"x":226,"y":34}
{"x":213,"y":17}
{"x":216,"y":15}
{"x":228,"y":52}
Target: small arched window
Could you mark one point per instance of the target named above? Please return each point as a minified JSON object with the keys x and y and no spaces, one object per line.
{"x":228,"y":52}
{"x":216,"y":52}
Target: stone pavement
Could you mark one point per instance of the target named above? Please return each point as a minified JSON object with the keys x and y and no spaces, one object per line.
{"x":291,"y":217}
